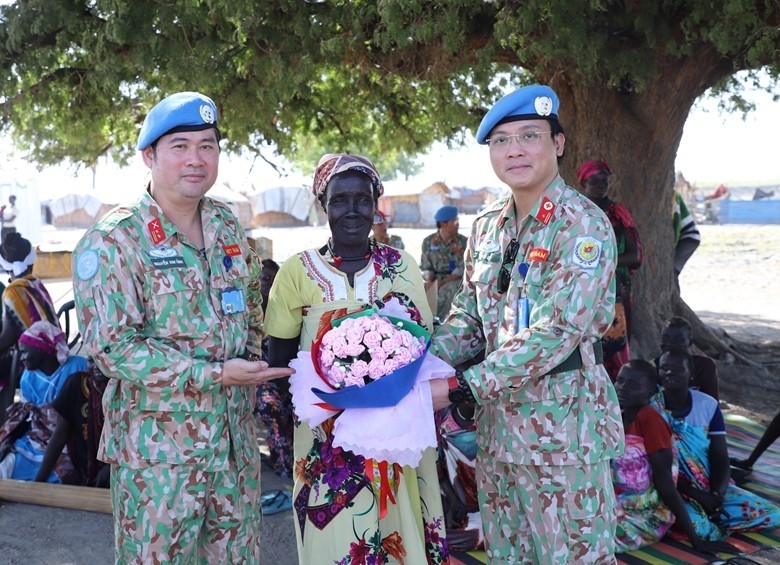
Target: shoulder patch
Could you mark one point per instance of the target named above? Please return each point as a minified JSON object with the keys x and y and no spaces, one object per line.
{"x":493,"y":207}
{"x":587,"y":251}
{"x":87,"y":264}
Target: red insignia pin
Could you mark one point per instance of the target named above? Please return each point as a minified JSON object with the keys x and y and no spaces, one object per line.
{"x":545,"y":211}
{"x":156,"y":230}
{"x":538,"y":254}
{"x":232,"y":250}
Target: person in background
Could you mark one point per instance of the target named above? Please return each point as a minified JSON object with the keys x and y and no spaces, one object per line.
{"x":686,"y":235}
{"x":593,"y":178}
{"x":645,"y":476}
{"x":274,"y":402}
{"x":381,"y":223}
{"x":442,"y":258}
{"x":8,"y":215}
{"x":25,"y":301}
{"x":676,"y":334}
{"x":79,"y":422}
{"x":538,"y":293}
{"x":743,"y":467}
{"x":716,"y":506}
{"x":167,"y":292}
{"x":48,"y":366}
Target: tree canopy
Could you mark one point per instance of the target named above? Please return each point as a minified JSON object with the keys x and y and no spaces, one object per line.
{"x":390,"y":77}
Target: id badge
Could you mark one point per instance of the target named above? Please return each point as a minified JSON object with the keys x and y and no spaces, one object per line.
{"x":523,"y":313}
{"x":233,"y":301}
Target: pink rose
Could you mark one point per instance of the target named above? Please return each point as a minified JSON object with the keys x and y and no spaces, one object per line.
{"x":326,"y":358}
{"x":359,"y":369}
{"x":372,"y":339}
{"x":376,"y":369}
{"x":403,"y":356}
{"x":339,"y":347}
{"x":352,"y":380}
{"x":354,"y":349}
{"x":391,"y":344}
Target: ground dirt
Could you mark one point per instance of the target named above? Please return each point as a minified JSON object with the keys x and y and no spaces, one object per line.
{"x":731,"y":282}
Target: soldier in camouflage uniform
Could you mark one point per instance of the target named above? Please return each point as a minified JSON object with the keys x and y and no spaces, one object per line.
{"x":167,"y":295}
{"x":538,"y":292}
{"x":442,"y":258}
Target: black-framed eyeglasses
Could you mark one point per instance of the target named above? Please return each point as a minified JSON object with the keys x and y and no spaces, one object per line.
{"x":505,"y":275}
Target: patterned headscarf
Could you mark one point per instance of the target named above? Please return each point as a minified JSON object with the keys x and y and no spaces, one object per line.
{"x":334,"y":163}
{"x":48,"y":338}
{"x":590,"y":168}
{"x":16,"y":254}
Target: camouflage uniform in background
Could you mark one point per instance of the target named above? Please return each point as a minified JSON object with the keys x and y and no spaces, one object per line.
{"x":544,"y":441}
{"x":183,"y":448}
{"x":439,"y":259}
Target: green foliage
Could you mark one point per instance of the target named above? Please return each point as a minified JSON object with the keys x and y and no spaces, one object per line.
{"x":384,"y":78}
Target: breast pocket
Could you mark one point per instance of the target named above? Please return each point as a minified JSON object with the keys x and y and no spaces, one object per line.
{"x":175,"y":301}
{"x":484,"y":279}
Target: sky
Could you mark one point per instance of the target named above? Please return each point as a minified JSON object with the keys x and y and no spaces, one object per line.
{"x":715,"y":148}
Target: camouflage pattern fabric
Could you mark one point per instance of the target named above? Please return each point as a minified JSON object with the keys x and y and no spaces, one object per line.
{"x":150,"y":308}
{"x":180,"y":514}
{"x":526,"y":416}
{"x":439,"y":259}
{"x":546,"y":515}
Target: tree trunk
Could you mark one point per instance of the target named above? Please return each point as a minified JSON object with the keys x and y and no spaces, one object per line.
{"x":641,"y":153}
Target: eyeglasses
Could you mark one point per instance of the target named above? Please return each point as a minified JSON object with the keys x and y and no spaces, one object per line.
{"x":504,"y":275}
{"x":525,"y":140}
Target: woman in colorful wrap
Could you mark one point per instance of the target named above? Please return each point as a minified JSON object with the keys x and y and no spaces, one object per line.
{"x":593,"y":180}
{"x":715,"y":505}
{"x":347,"y":508}
{"x":25,"y":301}
{"x":645,"y":476}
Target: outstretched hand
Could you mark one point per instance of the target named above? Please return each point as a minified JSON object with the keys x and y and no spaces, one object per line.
{"x":240,"y":372}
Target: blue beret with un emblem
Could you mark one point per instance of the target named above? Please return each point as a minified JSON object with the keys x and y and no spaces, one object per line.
{"x":528,"y":103}
{"x":445,"y":213}
{"x":183,"y":111}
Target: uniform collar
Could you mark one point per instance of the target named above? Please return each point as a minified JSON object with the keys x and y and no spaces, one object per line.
{"x":155,"y":218}
{"x":553,"y":193}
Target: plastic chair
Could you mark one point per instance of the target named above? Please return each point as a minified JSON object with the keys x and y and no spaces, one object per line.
{"x":64,"y":318}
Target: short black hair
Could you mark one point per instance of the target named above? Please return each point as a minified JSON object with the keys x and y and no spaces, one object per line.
{"x":647,"y":369}
{"x":678,"y":322}
{"x":269,"y":264}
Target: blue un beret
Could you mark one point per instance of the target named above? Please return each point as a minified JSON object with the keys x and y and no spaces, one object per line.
{"x":528,"y":103}
{"x":445,"y":213}
{"x":183,"y":111}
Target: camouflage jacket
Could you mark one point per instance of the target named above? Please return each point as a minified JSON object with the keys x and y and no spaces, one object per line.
{"x":150,"y":308}
{"x":525,"y":415}
{"x":441,"y":258}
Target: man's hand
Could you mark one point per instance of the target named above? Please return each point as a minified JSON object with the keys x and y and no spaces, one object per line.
{"x":239,"y":372}
{"x":440,"y":393}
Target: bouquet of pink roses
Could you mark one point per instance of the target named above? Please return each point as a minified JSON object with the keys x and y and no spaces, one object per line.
{"x":375,"y":371}
{"x":364,"y":349}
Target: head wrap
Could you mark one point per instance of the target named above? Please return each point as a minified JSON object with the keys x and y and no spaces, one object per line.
{"x":16,"y":254}
{"x":380,"y":217}
{"x":48,"y":338}
{"x":590,"y":168}
{"x":535,"y":102}
{"x":183,"y":111}
{"x":445,"y":213}
{"x":332,"y":164}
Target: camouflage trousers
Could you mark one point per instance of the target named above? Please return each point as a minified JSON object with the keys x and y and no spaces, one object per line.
{"x":552,"y":514}
{"x":181,"y":515}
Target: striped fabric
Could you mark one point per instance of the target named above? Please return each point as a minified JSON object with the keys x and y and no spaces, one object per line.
{"x":742,"y":436}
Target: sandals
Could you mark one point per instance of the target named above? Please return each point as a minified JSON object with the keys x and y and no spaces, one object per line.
{"x":275,"y":501}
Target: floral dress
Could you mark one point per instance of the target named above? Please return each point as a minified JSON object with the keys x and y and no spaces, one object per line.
{"x":349,"y":509}
{"x":642,"y":517}
{"x":742,"y":510}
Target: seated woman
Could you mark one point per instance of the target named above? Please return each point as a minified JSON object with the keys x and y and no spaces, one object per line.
{"x":340,"y":514}
{"x":716,"y":506}
{"x":79,"y":422}
{"x":33,"y":420}
{"x":25,"y":301}
{"x":645,"y":475}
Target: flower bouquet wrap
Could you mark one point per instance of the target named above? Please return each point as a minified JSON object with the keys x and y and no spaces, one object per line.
{"x":374,"y":369}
